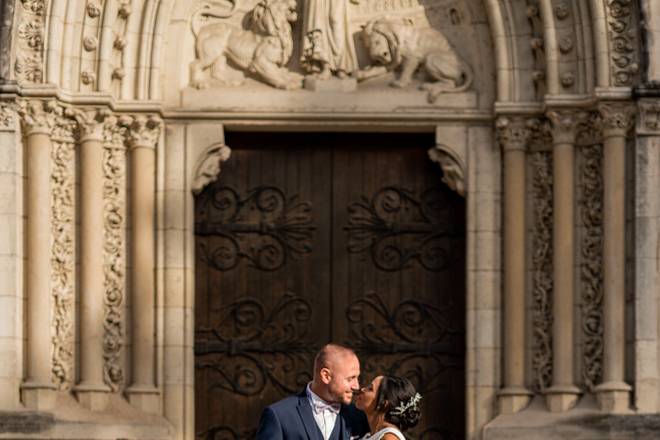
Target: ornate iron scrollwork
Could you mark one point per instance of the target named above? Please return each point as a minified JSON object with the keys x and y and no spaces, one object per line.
{"x":250,"y":347}
{"x":414,"y":339}
{"x":397,"y":229}
{"x":265,"y":227}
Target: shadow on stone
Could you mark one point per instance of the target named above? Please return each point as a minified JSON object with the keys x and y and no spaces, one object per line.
{"x":25,"y":422}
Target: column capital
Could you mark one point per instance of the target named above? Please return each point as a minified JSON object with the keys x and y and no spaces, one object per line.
{"x":564,"y":124}
{"x":617,"y":118}
{"x":38,"y":116}
{"x":7,"y":116}
{"x":648,"y":122}
{"x":91,"y":123}
{"x":142,"y":131}
{"x":515,"y":132}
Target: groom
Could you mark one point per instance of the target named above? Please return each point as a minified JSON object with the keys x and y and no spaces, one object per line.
{"x":323,"y":411}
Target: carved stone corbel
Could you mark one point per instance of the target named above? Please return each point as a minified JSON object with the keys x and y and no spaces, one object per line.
{"x":649,"y":118}
{"x":453,"y":169}
{"x":208,"y":166}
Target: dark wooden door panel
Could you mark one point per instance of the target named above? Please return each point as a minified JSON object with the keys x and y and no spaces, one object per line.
{"x":311,"y":238}
{"x":263,"y":244}
{"x":399,"y":277}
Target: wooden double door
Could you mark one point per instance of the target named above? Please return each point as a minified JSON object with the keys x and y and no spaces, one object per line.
{"x":312,"y":238}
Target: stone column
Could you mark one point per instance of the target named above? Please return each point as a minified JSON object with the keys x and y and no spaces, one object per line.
{"x":143,"y":137}
{"x":39,"y":118}
{"x":614,"y":394}
{"x":514,"y":134}
{"x":563,"y":393}
{"x":92,"y":392}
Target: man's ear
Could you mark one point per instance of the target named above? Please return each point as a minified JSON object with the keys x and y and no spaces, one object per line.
{"x":325,"y":375}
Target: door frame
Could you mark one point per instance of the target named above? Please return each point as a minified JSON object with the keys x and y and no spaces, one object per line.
{"x":191,"y":157}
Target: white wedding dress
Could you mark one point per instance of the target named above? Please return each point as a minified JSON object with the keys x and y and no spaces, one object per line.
{"x":380,"y":434}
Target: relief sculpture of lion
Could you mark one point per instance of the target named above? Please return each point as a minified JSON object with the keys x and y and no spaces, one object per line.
{"x":400,"y":46}
{"x":264,"y":48}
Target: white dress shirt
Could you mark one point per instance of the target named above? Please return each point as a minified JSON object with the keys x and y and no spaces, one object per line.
{"x":325,"y":413}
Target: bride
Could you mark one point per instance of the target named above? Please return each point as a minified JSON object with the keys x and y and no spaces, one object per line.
{"x":392,"y":405}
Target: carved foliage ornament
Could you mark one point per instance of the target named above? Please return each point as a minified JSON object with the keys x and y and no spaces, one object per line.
{"x":617,"y":118}
{"x":114,"y":207}
{"x":63,"y":250}
{"x":142,"y":131}
{"x":591,"y":210}
{"x":542,"y":271}
{"x":515,"y":133}
{"x":7,"y":116}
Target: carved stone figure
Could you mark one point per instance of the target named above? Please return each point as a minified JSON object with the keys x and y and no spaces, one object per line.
{"x":263,"y":49}
{"x":328,"y":44}
{"x":399,"y":45}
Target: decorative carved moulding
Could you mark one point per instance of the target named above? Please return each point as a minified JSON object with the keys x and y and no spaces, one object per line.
{"x":29,"y":50}
{"x":623,"y":33}
{"x":591,"y":267}
{"x":114,"y":267}
{"x":63,"y":249}
{"x":542,"y":270}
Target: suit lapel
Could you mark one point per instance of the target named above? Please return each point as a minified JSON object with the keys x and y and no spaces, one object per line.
{"x":343,"y":432}
{"x":307,"y":417}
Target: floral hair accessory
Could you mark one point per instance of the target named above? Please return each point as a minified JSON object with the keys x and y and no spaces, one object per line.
{"x":411,"y":403}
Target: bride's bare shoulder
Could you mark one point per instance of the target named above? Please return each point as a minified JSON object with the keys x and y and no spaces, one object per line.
{"x":390,"y":436}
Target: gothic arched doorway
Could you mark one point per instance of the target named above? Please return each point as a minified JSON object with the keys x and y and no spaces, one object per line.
{"x":311,"y":238}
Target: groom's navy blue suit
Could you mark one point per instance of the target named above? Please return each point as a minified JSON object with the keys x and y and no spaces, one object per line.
{"x":292,"y":419}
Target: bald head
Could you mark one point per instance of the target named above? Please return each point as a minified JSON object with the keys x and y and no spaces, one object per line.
{"x":330,"y":355}
{"x":336,"y":372}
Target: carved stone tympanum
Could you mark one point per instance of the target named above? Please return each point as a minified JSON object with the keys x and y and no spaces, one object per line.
{"x":399,"y":44}
{"x":263,"y":50}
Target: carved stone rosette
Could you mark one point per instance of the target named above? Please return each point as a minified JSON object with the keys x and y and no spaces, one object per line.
{"x":542,"y":271}
{"x":63,"y":260}
{"x":624,"y":46}
{"x":114,"y":201}
{"x":591,"y":207}
{"x":29,"y":50}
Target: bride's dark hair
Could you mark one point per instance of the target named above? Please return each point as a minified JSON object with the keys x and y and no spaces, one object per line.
{"x":399,"y":401}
